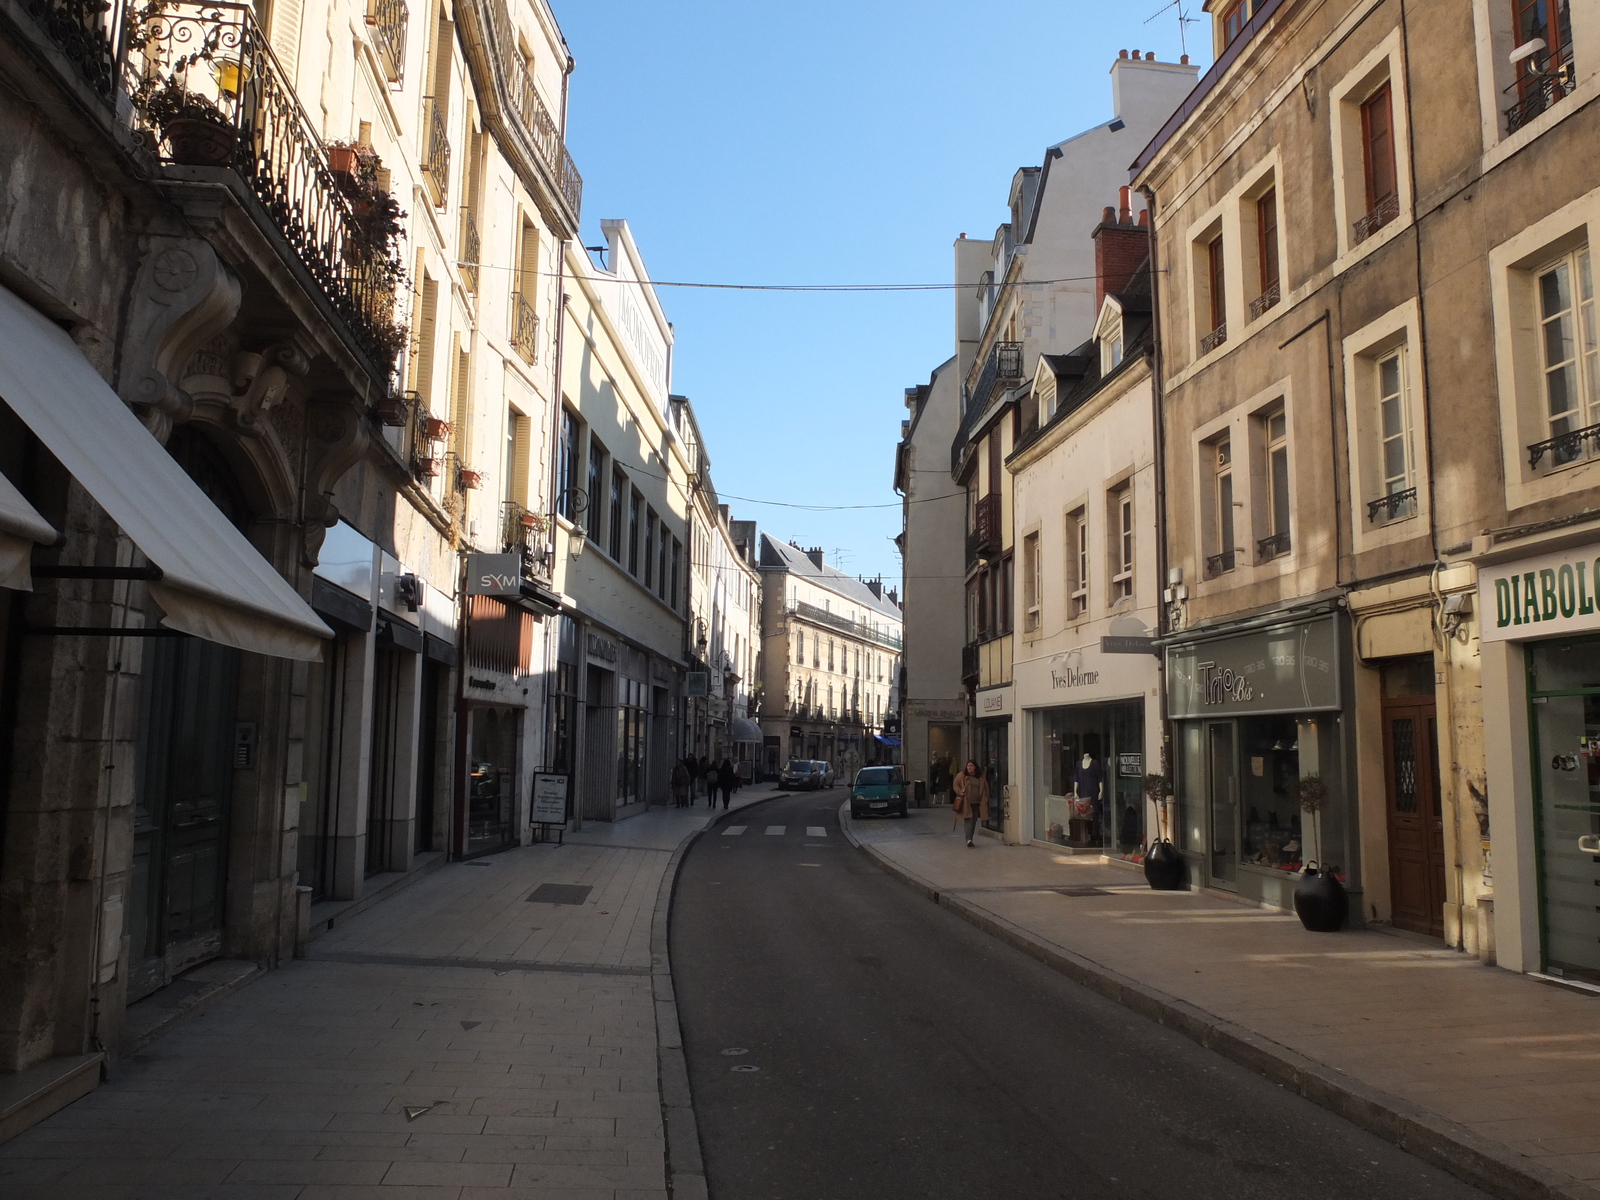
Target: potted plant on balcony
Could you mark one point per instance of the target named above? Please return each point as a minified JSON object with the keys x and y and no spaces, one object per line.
{"x":197,"y":132}
{"x":435,"y":429}
{"x":471,"y":480}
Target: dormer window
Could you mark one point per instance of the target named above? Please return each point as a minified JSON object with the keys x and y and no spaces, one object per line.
{"x":1111,"y":347}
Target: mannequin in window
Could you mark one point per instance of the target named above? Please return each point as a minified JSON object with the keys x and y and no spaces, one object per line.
{"x":1088,"y":784}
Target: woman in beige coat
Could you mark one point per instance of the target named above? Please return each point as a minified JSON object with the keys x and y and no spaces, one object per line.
{"x":972,"y":797}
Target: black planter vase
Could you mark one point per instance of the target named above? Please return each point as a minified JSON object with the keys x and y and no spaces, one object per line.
{"x":1320,"y":900}
{"x":1163,"y":867}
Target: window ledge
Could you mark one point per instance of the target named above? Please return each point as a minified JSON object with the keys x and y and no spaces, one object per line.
{"x":1351,"y":255}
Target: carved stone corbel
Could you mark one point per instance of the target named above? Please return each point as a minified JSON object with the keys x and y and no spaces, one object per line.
{"x":337,"y":439}
{"x":184,"y":296}
{"x":261,"y":382}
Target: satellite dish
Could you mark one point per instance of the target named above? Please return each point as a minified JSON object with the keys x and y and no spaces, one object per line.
{"x":1526,"y":50}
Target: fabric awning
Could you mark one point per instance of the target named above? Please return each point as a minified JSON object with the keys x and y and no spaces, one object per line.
{"x":887,"y":741}
{"x":215,"y":584}
{"x":20,"y":527}
{"x":746,"y":730}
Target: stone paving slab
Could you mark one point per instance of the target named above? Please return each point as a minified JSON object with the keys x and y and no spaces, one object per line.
{"x":453,"y":1041}
{"x":1513,"y":1062}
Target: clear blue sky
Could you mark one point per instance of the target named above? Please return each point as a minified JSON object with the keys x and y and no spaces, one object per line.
{"x":833,"y":142}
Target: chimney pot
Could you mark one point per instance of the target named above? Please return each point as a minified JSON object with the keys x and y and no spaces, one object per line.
{"x":1144,"y":218}
{"x":1135,"y":54}
{"x":1122,"y":54}
{"x":1125,"y":206}
{"x":1149,"y":56}
{"x":1183,"y":60}
{"x":1109,"y":215}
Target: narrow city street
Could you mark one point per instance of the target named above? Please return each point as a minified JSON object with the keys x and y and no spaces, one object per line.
{"x":845,"y":1038}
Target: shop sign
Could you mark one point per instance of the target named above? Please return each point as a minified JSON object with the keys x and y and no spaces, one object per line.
{"x":602,"y":648}
{"x":696,"y":683}
{"x":1127,"y":645}
{"x":494,"y":575}
{"x":1293,"y":668}
{"x":549,"y":799}
{"x":994,"y":702}
{"x":953,"y":711}
{"x":1539,"y":597}
{"x":1072,"y":677}
{"x":1130,"y":766}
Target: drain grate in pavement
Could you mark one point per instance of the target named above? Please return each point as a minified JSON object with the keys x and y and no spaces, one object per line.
{"x":560,"y":893}
{"x":1082,"y":891}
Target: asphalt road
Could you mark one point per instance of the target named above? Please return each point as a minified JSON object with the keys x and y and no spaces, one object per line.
{"x":900,"y":1052}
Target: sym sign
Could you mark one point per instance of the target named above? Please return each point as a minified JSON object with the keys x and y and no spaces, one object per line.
{"x":1539,"y":597}
{"x":1292,"y":668}
{"x":494,"y":575}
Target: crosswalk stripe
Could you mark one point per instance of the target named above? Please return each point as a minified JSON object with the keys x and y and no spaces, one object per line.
{"x":734,"y":830}
{"x":816,"y":831}
{"x":776,"y":830}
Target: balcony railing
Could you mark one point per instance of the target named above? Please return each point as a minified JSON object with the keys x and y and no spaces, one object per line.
{"x":525,"y":329}
{"x":546,"y":134}
{"x":986,"y":525}
{"x":1213,"y":339}
{"x":1384,"y":211}
{"x":1393,"y":506}
{"x":83,"y":30}
{"x":1002,"y":367}
{"x":857,"y":629}
{"x":436,"y":153}
{"x":209,"y":92}
{"x":1275,"y":546}
{"x":389,"y":19}
{"x":522,"y":532}
{"x":969,"y":661}
{"x":471,"y":249}
{"x":1538,"y":91}
{"x":1566,"y":447}
{"x":1221,"y":564}
{"x":1267,"y":299}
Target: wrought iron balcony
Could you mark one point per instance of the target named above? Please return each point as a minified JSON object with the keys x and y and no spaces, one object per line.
{"x":525,"y":328}
{"x":544,"y":131}
{"x":1213,"y":339}
{"x":389,"y":19}
{"x":831,"y":620}
{"x":1566,"y":447}
{"x":1393,"y":506}
{"x":522,"y":532}
{"x":1003,"y":367}
{"x":1538,"y":91}
{"x":436,"y":153}
{"x":83,"y":30}
{"x":1275,"y":546}
{"x":1267,"y":299}
{"x":1384,"y":211}
{"x":470,"y":250}
{"x":1221,"y":564}
{"x":986,"y":525}
{"x":208,"y":91}
{"x":969,"y":661}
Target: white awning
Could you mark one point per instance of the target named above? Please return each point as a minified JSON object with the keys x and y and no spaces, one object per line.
{"x":214,"y":585}
{"x":20,"y":527}
{"x":746,"y":730}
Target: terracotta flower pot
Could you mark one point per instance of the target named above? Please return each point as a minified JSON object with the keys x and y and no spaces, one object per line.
{"x":391,"y":410}
{"x":342,"y":160}
{"x":196,"y":142}
{"x":470,"y":479}
{"x":436,"y":429}
{"x":530,"y":520}
{"x":428,"y":468}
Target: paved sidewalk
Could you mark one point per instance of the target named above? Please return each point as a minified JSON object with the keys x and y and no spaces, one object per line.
{"x":1490,"y":1074}
{"x":456,"y":1042}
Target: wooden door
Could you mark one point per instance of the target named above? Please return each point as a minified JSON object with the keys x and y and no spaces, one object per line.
{"x":1416,"y":824}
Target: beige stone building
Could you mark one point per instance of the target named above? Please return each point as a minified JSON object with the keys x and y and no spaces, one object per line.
{"x":1372,"y":227}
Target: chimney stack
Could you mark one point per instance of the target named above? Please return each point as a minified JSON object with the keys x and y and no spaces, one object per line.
{"x":1121,"y":244}
{"x":815,"y":555}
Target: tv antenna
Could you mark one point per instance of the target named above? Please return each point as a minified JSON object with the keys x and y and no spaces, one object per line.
{"x":1183,"y":20}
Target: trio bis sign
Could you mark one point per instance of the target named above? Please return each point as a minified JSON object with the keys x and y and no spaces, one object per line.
{"x":1292,"y":668}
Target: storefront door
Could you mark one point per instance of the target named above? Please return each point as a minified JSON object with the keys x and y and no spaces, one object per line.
{"x":944,"y":759}
{"x":1222,"y":770}
{"x":1411,"y":782}
{"x":994,"y":739}
{"x":492,"y":763}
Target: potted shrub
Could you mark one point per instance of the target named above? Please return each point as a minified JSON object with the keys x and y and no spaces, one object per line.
{"x":1320,"y":900}
{"x":1163,"y":865}
{"x":344,"y":162}
{"x":197,"y":132}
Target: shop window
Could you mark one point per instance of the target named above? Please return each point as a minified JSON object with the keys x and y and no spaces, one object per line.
{"x":1077,"y":564}
{"x":1274,"y":515}
{"x":1031,"y":583}
{"x":1219,"y":511}
{"x":1119,"y":521}
{"x":1089,"y":765}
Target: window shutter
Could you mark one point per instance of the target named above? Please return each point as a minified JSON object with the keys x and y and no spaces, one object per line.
{"x":520,"y":450}
{"x":285,"y":37}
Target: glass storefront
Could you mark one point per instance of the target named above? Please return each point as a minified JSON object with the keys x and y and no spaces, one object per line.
{"x":994,"y":757}
{"x":1564,"y":695}
{"x":491,"y":791}
{"x":632,"y":726}
{"x":1089,"y":785}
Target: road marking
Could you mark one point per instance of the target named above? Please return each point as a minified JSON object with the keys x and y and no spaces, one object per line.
{"x":816,"y":831}
{"x":810,"y":864}
{"x":734,"y":830}
{"x":776,"y":830}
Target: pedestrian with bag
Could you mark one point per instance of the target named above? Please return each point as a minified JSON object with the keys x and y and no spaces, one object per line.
{"x":705,"y":775}
{"x":680,"y":786}
{"x":726,"y":780}
{"x":971,"y":797}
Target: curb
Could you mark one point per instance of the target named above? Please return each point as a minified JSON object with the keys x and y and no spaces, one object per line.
{"x":1432,"y":1138}
{"x":686,"y":1168}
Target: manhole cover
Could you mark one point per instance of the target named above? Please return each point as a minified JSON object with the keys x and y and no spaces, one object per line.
{"x":744,"y":1067}
{"x":560,"y":893}
{"x":1081,"y":891}
{"x":736,"y":1050}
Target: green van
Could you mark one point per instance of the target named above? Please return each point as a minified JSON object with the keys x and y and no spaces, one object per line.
{"x":878,"y":791}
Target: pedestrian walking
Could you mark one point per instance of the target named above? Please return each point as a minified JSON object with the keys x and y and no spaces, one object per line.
{"x":726,"y":779}
{"x":971,"y":797}
{"x":680,"y":786}
{"x":708,"y":777}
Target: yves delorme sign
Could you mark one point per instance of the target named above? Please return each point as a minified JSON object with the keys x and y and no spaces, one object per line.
{"x":1539,"y":597}
{"x":1292,"y":668}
